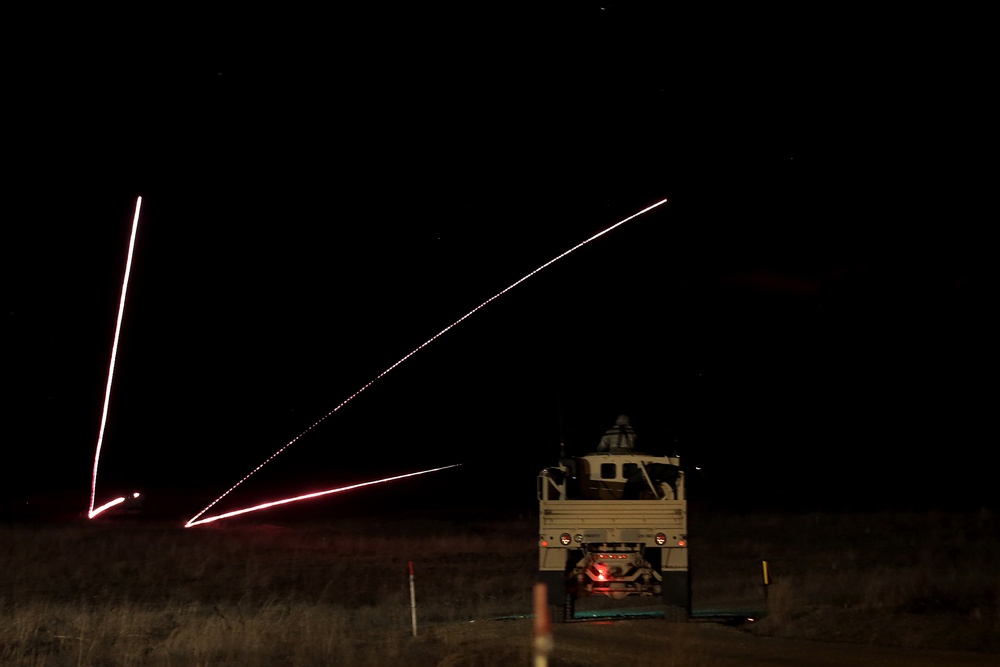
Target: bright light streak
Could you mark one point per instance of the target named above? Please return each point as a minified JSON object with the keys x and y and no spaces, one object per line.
{"x":111,"y":369}
{"x":106,"y":506}
{"x":420,"y":347}
{"x":307,"y":496}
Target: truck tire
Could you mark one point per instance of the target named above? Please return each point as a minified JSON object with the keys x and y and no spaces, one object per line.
{"x":562,"y":613}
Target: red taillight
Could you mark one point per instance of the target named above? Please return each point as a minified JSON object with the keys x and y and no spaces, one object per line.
{"x":565,"y":539}
{"x":661,"y":539}
{"x":682,"y":543}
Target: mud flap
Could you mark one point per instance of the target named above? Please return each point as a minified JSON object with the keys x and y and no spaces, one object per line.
{"x":555,"y":582}
{"x":677,"y":596}
{"x":561,"y":601}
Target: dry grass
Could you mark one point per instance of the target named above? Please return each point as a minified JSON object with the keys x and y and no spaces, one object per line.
{"x":138,"y":594}
{"x":920,"y":580}
{"x":338,"y":592}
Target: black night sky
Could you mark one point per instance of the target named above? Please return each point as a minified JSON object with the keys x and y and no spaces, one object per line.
{"x":806,"y":318}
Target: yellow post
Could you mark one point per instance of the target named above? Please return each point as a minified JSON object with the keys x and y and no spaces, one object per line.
{"x":767,"y":581}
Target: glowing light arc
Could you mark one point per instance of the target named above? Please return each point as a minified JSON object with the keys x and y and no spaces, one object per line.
{"x":106,"y":506}
{"x":91,"y":512}
{"x":307,"y":496}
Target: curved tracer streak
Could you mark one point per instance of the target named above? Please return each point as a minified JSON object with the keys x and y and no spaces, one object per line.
{"x":194,"y":519}
{"x":307,"y":496}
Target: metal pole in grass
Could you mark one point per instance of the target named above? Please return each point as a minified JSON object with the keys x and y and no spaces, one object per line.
{"x":543,"y":626}
{"x":413,"y":602}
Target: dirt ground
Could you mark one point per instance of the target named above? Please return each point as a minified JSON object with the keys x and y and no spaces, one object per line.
{"x":651,"y":641}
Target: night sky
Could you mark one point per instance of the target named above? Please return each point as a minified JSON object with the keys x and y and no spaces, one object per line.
{"x":323,"y":194}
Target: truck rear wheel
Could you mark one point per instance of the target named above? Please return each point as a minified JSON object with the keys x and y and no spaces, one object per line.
{"x":562,"y":613}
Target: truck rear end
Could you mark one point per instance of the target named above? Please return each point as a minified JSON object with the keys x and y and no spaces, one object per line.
{"x":614,"y":525}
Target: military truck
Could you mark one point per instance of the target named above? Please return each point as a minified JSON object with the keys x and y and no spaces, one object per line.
{"x":614,"y":523}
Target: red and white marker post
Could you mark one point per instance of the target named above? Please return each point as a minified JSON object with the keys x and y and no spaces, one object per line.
{"x":413,"y":602}
{"x":543,"y":626}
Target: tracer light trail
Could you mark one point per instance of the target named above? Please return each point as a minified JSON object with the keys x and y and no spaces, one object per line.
{"x":91,"y":513}
{"x":106,"y":506}
{"x":420,"y":347}
{"x":285,"y":501}
{"x":109,"y":505}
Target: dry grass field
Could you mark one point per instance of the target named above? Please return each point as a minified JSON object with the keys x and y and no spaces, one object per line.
{"x":336,"y":592}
